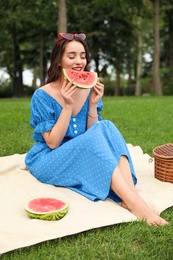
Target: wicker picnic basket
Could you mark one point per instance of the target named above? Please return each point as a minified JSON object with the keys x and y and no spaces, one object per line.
{"x":163,"y":162}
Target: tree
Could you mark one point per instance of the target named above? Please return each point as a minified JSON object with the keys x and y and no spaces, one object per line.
{"x":139,"y":59}
{"x":110,"y":32}
{"x":166,"y":35}
{"x":156,"y":61}
{"x":62,"y":16}
{"x":29,"y":28}
{"x":143,"y":20}
{"x":11,"y":23}
{"x":113,"y":34}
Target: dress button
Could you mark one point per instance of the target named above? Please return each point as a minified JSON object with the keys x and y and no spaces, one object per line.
{"x":74,"y":119}
{"x":74,"y":125}
{"x":75,"y":131}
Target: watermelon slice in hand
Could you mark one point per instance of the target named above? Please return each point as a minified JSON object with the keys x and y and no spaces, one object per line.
{"x":83,"y":79}
{"x":46,"y":208}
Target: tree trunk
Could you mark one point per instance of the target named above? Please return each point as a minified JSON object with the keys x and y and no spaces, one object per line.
{"x":17,"y":71}
{"x":35,"y":76}
{"x":96,"y":59}
{"x":62,"y":16}
{"x":117,"y":84}
{"x":170,"y":16}
{"x":139,"y":66}
{"x":41,"y":60}
{"x":129,"y":81}
{"x":156,"y":62}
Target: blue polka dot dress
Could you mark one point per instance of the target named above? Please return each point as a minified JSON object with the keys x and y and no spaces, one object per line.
{"x":85,"y":160}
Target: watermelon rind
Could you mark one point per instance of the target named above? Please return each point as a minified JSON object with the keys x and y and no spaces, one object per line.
{"x":88,"y":81}
{"x":49,"y":216}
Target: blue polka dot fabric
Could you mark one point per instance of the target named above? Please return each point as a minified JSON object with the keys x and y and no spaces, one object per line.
{"x":85,"y":160}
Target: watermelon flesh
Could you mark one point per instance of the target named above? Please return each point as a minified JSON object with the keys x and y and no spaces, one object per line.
{"x":83,"y":79}
{"x":46,"y":208}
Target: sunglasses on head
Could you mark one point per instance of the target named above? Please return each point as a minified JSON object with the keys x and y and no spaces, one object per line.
{"x":70,"y":36}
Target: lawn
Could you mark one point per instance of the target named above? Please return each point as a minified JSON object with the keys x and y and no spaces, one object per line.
{"x":143,"y":121}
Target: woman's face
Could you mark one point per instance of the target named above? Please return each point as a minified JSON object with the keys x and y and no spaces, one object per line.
{"x":74,"y":56}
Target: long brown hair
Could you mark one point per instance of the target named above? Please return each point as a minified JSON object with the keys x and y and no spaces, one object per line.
{"x":55,"y":71}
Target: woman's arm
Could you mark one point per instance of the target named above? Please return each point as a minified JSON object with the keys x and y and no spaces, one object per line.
{"x":92,"y":115}
{"x":54,"y":137}
{"x":96,"y":95}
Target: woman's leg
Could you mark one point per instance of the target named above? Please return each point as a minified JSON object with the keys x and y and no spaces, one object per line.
{"x":122,"y":185}
{"x":126,"y":172}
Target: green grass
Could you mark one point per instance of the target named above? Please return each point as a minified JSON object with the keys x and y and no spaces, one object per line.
{"x":15,"y":132}
{"x":143,"y":121}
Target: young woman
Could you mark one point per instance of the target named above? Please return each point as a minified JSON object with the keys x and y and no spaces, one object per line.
{"x":74,"y":147}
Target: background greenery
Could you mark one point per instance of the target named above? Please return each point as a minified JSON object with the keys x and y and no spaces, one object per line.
{"x":144,"y":121}
{"x":117,"y":31}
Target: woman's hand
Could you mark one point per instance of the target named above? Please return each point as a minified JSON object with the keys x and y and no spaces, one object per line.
{"x":97,"y":93}
{"x":67,"y":91}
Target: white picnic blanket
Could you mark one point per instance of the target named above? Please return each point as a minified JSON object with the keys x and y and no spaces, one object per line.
{"x":17,"y":185}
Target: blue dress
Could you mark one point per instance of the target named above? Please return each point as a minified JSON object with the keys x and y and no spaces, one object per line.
{"x":85,"y":160}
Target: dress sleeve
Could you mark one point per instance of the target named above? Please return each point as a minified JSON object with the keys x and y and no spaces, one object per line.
{"x":42,"y":114}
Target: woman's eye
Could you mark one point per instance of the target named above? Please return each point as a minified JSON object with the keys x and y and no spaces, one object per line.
{"x":71,"y":57}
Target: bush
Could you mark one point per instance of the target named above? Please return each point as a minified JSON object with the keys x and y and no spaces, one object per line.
{"x":6,"y":89}
{"x":109,"y":87}
{"x":168,"y":88}
{"x":28,"y":91}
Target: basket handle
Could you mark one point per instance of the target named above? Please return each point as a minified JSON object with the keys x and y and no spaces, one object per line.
{"x":150,"y":159}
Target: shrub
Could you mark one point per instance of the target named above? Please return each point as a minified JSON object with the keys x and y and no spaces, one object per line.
{"x":6,"y":89}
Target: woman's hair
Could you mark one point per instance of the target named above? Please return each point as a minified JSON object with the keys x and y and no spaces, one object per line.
{"x":55,"y":71}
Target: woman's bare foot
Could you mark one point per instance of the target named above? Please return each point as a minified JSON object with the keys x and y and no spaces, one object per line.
{"x":123,"y":186}
{"x":144,"y":213}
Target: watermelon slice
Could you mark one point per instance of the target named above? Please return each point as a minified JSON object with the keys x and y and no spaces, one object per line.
{"x":46,"y":208}
{"x":83,"y":79}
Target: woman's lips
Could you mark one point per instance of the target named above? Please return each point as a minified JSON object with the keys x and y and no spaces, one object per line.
{"x":77,"y":68}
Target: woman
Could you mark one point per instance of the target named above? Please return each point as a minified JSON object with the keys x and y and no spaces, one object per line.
{"x":74,"y":147}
